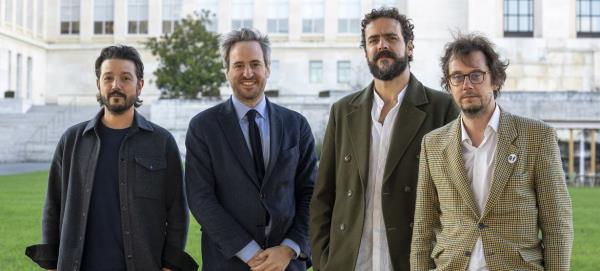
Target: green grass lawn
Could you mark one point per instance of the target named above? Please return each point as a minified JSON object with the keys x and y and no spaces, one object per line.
{"x":22,"y":196}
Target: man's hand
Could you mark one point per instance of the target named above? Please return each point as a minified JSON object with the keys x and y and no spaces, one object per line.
{"x":165,"y":269}
{"x":256,"y":260}
{"x":274,"y":259}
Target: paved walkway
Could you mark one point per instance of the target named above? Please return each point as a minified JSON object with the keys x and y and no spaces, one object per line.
{"x":16,"y":168}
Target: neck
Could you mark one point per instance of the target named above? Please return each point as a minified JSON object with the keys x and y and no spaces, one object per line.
{"x":251,"y":103}
{"x":389,"y":90}
{"x":118,"y":121}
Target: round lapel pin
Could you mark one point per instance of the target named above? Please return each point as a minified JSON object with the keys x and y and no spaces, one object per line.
{"x":512,"y":158}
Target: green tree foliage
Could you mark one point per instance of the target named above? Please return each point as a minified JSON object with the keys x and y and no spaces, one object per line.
{"x":189,"y":61}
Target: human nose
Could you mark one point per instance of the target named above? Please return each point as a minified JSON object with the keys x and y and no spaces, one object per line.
{"x":382,"y":44}
{"x":466,"y":83}
{"x":247,"y":73}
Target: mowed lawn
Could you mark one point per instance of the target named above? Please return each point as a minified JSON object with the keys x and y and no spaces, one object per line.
{"x":22,"y":196}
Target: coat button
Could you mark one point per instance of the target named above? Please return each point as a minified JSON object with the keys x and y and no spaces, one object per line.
{"x":410,"y":225}
{"x":418,"y":156}
{"x":481,"y":226}
{"x":349,"y":193}
{"x":407,"y":189}
{"x":129,"y":257}
{"x":468,"y":253}
{"x":347,"y":158}
{"x":342,"y":227}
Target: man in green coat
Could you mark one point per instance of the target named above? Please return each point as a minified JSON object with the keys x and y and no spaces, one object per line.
{"x":364,"y":199}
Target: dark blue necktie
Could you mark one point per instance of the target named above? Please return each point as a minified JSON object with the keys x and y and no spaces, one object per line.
{"x":256,"y":144}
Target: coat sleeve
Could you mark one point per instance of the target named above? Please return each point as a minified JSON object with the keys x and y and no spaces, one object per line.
{"x":304,"y":184}
{"x":321,"y":206}
{"x":554,"y":204}
{"x":46,"y":253}
{"x":427,"y":220}
{"x":214,"y":219}
{"x":174,"y":256}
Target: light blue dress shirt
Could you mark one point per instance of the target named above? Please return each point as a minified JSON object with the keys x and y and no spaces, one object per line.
{"x":262,"y":120}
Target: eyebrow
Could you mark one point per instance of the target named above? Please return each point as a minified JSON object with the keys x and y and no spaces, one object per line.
{"x":475,"y":70}
{"x":384,"y":34}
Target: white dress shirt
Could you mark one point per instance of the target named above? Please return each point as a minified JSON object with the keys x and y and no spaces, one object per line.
{"x":374,"y":253}
{"x":479,"y":163}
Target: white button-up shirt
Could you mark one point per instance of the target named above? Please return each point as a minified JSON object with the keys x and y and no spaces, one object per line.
{"x":374,"y":253}
{"x":479,"y":163}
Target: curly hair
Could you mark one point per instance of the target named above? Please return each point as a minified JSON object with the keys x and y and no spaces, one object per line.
{"x":392,"y":13}
{"x":121,"y":52}
{"x":463,"y":45}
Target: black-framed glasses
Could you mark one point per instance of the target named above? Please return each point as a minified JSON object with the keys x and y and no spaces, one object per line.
{"x":475,"y":77}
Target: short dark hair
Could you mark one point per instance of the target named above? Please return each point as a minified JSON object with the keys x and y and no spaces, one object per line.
{"x":244,"y":34}
{"x":122,"y":52}
{"x":463,"y":45}
{"x":392,"y":13}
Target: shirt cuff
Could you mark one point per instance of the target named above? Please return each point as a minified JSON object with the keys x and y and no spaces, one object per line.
{"x":291,"y":244}
{"x":248,"y":251}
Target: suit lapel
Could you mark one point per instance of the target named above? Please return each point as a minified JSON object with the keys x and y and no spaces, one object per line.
{"x":359,"y":131}
{"x":231,"y":128}
{"x":456,"y":167}
{"x":407,"y":125}
{"x":276,"y":131}
{"x":507,"y":133}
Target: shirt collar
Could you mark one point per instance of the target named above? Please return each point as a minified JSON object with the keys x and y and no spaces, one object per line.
{"x":493,"y":124}
{"x":241,"y":109}
{"x":138,"y":122}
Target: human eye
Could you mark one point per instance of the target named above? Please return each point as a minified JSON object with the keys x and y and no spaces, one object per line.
{"x":476,"y":76}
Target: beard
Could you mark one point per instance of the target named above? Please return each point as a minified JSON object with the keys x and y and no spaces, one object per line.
{"x":389,"y":72}
{"x":116,"y":108}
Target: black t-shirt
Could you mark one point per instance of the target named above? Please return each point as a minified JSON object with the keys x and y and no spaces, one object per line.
{"x":103,"y":246}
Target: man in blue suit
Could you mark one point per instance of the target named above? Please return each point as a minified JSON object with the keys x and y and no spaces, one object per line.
{"x":250,"y":169}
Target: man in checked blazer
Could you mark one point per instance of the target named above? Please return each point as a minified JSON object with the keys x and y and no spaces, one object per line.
{"x":491,"y":193}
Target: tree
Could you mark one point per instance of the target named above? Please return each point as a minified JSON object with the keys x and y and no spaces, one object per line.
{"x":189,"y":61}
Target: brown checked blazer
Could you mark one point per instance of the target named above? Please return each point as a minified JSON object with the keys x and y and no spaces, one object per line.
{"x":527,"y":222}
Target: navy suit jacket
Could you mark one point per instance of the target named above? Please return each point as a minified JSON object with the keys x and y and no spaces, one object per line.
{"x":225,"y":195}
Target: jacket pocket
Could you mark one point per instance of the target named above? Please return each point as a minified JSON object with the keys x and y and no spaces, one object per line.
{"x":531,"y":255}
{"x":149,"y":173}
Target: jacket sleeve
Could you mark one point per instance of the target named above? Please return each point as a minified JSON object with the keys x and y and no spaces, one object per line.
{"x":174,"y":256}
{"x":321,"y":206}
{"x":554,"y":204}
{"x":46,"y":253}
{"x":216,"y":222}
{"x":427,"y":220}
{"x":304,"y":184}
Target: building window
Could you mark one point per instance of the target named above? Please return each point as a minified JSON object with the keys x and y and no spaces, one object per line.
{"x":275,"y":72}
{"x":277,"y":16}
{"x":29,"y":78}
{"x":518,"y":18}
{"x":69,"y":17}
{"x":384,"y":3}
{"x":344,"y":72}
{"x":9,"y":11}
{"x":313,"y":13}
{"x":40,"y":17}
{"x":30,"y":16}
{"x":20,"y":12}
{"x":19,"y":73}
{"x":315,"y":72}
{"x":588,"y":18}
{"x":242,"y":14}
{"x":104,"y":16}
{"x":171,"y":15}
{"x":138,"y":17}
{"x":349,"y":16}
{"x":212,"y":6}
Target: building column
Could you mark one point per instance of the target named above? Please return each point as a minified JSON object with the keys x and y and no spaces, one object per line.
{"x":571,"y":171}
{"x":593,"y":152}
{"x":582,"y":155}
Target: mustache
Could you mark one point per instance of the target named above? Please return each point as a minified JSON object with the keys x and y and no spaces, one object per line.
{"x":385,"y":53}
{"x":117,"y":93}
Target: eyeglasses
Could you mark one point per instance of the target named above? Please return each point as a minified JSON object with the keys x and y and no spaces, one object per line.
{"x":475,"y":77}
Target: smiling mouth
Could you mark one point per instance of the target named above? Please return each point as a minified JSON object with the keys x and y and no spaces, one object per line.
{"x":248,"y":83}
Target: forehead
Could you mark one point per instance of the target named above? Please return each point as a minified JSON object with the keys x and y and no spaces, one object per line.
{"x":382,"y":26}
{"x":475,"y":60}
{"x":115,"y":65}
{"x":245,"y":51}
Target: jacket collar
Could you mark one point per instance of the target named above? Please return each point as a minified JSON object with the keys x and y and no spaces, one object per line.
{"x":139,"y":122}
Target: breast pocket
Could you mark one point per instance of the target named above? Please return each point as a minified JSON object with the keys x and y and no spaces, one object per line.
{"x":149,"y":173}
